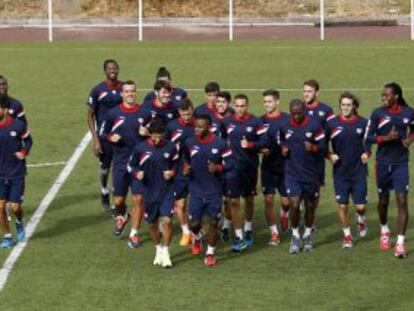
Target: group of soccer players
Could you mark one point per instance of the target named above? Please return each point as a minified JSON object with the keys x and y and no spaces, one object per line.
{"x":194,"y":162}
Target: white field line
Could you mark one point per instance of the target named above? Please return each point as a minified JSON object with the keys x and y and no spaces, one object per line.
{"x":40,"y":211}
{"x":35,"y":165}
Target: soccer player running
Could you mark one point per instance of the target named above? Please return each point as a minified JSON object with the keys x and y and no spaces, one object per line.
{"x":153,"y":163}
{"x":177,"y":94}
{"x":349,"y":157}
{"x":388,"y":127}
{"x":246,"y":135}
{"x":302,"y":140}
{"x":178,"y":131}
{"x":123,"y":128}
{"x":272,"y":166}
{"x":103,"y":97}
{"x":207,"y":157}
{"x":211,"y":90}
{"x":15,"y":145}
{"x":16,"y":109}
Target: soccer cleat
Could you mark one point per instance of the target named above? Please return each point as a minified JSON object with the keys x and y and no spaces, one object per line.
{"x":166,"y":260}
{"x":307,"y":243}
{"x":158,"y":258}
{"x":294,"y":245}
{"x":20,"y":231}
{"x":185,"y":239}
{"x":7,"y":242}
{"x":196,"y":247}
{"x":347,"y":242}
{"x":385,"y":243}
{"x":238,"y":245}
{"x":284,"y":223}
{"x":225,"y":234}
{"x":274,"y":241}
{"x":248,"y":238}
{"x":400,"y":251}
{"x":210,"y":260}
{"x":362,"y":228}
{"x":133,"y":241}
{"x":105,"y":201}
{"x":120,"y":223}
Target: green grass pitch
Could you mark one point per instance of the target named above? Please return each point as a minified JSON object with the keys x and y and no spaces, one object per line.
{"x":73,"y":261}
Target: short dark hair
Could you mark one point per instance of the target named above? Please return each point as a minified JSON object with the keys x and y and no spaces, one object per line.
{"x":205,"y":117}
{"x":163,"y":72}
{"x":349,"y":95}
{"x":129,"y":82}
{"x":157,"y":126}
{"x":212,"y":86}
{"x":271,"y":92}
{"x":296,"y":102}
{"x":4,"y":102}
{"x":110,"y":61}
{"x":312,"y":83}
{"x":162,"y":85}
{"x":241,"y":96}
{"x":185,"y":104}
{"x":3,"y":78}
{"x":224,"y":94}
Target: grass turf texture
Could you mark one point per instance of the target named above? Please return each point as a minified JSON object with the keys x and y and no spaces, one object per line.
{"x":73,"y":260}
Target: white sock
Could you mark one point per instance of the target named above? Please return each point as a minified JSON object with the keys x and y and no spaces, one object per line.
{"x":248,"y":226}
{"x":308,"y":231}
{"x":273,"y":229}
{"x":239,"y":233}
{"x":8,"y":235}
{"x":295,"y":232}
{"x":165,"y":249}
{"x":226,"y":223}
{"x":160,"y":226}
{"x":210,"y":250}
{"x":400,"y":239}
{"x":385,"y":229}
{"x":104,"y":191}
{"x":185,"y":229}
{"x":361,"y":218}
{"x":347,"y":231}
{"x":158,"y":247}
{"x":133,"y":232}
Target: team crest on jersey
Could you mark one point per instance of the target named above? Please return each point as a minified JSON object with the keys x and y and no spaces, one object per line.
{"x":11,"y":111}
{"x":141,"y":120}
{"x":321,"y":113}
{"x":311,"y":112}
{"x":249,"y":129}
{"x":170,"y":115}
{"x":153,"y":114}
{"x":308,"y":134}
{"x":114,"y":92}
{"x":166,"y":155}
{"x":359,"y":130}
{"x":13,"y":133}
{"x":214,"y":150}
{"x":178,"y":97}
{"x":405,"y":120}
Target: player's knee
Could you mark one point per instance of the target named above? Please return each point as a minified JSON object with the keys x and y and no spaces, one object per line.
{"x":119,"y":201}
{"x":213,"y":223}
{"x":268,"y":199}
{"x":384,"y":200}
{"x":195,"y":226}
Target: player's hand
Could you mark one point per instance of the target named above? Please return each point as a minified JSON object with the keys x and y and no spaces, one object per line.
{"x":334,"y":158}
{"x":143,"y":131}
{"x":285,"y":151}
{"x":20,"y":155}
{"x":244,"y":143}
{"x":140,"y":175}
{"x":186,"y":170}
{"x":114,"y":138}
{"x":168,"y":174}
{"x":308,"y":146}
{"x":211,"y":167}
{"x":364,"y":158}
{"x":265,"y":151}
{"x":96,"y":147}
{"x":392,"y":135}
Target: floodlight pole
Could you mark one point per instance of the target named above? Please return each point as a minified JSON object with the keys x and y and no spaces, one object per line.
{"x":322,"y":19}
{"x":50,"y":18}
{"x":140,"y":20}
{"x":230,"y":20}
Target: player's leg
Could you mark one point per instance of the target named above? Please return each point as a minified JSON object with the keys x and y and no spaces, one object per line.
{"x":359,"y":196}
{"x":105,"y":160}
{"x":136,"y":218}
{"x":165,"y":210}
{"x":284,"y":212}
{"x":342,"y":192}
{"x":225,"y":230}
{"x":7,"y":241}
{"x":16,"y":194}
{"x":195,"y":211}
{"x":384,"y":185}
{"x":249,"y":183}
{"x":180,"y":208}
{"x":400,"y":181}
{"x":311,"y":195}
{"x":121,"y":181}
{"x":213,"y":210}
{"x":269,"y":189}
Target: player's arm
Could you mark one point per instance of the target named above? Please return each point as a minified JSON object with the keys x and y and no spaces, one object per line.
{"x":135,"y":167}
{"x":261,"y":139}
{"x":171,"y":171}
{"x":91,"y":120}
{"x":330,"y":153}
{"x":410,"y":138}
{"x":318,"y":143}
{"x":27,"y":143}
